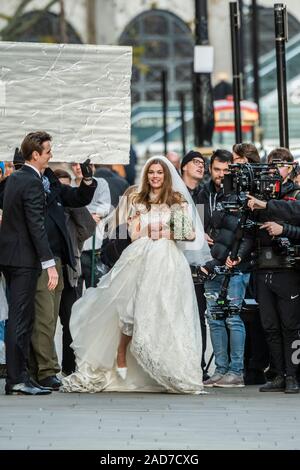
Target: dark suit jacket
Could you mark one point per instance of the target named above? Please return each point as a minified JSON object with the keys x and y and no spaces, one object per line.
{"x":23,"y":238}
{"x":117,"y":184}
{"x":81,"y":226}
{"x":62,"y":196}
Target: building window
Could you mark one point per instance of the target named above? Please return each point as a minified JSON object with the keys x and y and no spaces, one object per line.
{"x":41,"y":27}
{"x":161,"y":41}
{"x":267,"y":56}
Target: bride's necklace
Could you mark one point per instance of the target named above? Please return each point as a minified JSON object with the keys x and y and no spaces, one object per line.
{"x":153,"y":198}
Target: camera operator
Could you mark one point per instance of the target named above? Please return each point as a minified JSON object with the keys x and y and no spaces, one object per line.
{"x":192,"y":171}
{"x":278,"y":283}
{"x":245,"y":153}
{"x":286,"y":209}
{"x":256,"y":357}
{"x":221,"y":227}
{"x":212,"y":192}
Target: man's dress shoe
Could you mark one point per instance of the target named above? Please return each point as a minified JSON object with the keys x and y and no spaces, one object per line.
{"x":25,"y":389}
{"x":35,"y":384}
{"x":51,"y":382}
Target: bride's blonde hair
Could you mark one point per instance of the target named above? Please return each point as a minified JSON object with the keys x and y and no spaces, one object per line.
{"x":166,"y":196}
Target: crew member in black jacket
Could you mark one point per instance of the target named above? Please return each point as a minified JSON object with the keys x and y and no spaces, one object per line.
{"x":220,"y":228}
{"x":278,"y":282}
{"x":24,"y":251}
{"x":282,"y":209}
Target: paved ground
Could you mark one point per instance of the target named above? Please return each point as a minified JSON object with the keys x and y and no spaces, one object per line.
{"x":224,"y":419}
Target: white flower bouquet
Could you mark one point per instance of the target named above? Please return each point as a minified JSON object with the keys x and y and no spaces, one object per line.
{"x":181,"y":224}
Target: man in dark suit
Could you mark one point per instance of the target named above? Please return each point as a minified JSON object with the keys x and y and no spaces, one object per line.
{"x":24,"y":251}
{"x":43,"y":361}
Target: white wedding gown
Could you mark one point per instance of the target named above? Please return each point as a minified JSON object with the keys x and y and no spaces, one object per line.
{"x":150,"y":289}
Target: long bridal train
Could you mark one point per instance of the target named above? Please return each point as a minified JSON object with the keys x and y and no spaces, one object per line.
{"x":151,"y":283}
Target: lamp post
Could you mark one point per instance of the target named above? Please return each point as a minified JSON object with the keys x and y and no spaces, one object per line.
{"x":255,"y":54}
{"x":280,"y":16}
{"x":202,"y":89}
{"x":182,"y":118}
{"x":236,"y":75}
{"x":164,"y":100}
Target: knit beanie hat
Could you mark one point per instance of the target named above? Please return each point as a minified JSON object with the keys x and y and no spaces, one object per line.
{"x":189,"y":156}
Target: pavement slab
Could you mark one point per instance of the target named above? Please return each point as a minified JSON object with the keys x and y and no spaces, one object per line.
{"x":240,"y":418}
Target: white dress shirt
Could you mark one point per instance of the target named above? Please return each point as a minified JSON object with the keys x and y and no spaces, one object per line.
{"x":51,"y":262}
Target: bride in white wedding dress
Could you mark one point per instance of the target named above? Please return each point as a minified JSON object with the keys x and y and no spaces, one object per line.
{"x":139,"y":329}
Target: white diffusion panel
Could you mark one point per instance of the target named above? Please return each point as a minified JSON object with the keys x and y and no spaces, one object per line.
{"x":80,"y":94}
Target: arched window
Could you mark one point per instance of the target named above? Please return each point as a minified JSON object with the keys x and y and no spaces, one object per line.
{"x":161,"y":41}
{"x":37,"y":26}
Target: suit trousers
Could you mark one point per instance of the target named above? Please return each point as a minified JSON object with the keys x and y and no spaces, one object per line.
{"x":43,"y":358}
{"x":21,"y":284}
{"x":201,"y":301}
{"x":68,"y":298}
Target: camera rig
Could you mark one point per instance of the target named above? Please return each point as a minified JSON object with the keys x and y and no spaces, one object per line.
{"x":283,"y":246}
{"x":199,"y":277}
{"x":224,"y":307}
{"x":262,"y":181}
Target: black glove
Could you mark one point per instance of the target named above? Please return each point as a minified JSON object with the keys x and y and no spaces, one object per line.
{"x":86,"y":169}
{"x":18,"y":160}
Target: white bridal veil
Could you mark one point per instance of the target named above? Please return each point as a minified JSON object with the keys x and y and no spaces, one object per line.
{"x":196,"y":251}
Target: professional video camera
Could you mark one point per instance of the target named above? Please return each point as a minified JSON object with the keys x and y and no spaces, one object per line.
{"x":261,"y":180}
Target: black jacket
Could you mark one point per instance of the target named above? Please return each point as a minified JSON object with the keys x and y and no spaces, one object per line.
{"x":264,"y":241}
{"x":62,"y":196}
{"x":117,"y":185}
{"x":196,"y":193}
{"x":209,"y":197}
{"x":289,"y":190}
{"x":23,"y":237}
{"x":81,"y":226}
{"x":225,"y":226}
{"x":222,"y":227}
{"x":289,"y":211}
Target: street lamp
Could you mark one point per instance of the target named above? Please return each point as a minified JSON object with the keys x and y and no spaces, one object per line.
{"x":202,"y":89}
{"x":281,"y":36}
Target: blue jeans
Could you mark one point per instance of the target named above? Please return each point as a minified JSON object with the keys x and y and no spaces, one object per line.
{"x":2,"y":326}
{"x":232,"y":325}
{"x":2,"y":348}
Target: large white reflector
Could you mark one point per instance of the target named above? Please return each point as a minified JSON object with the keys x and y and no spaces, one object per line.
{"x":78,"y":93}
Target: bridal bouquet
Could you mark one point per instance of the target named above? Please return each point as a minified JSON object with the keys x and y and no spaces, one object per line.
{"x":181,"y":223}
